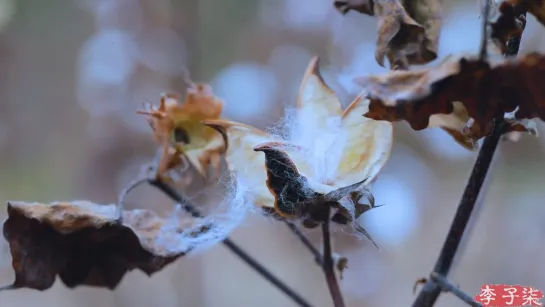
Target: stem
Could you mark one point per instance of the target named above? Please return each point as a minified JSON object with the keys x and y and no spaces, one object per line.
{"x":484,"y":32}
{"x":188,"y":207}
{"x":431,"y":290}
{"x":329,"y":271}
{"x":446,"y":286}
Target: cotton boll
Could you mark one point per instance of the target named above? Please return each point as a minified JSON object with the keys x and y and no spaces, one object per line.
{"x":325,"y":144}
{"x":248,"y":89}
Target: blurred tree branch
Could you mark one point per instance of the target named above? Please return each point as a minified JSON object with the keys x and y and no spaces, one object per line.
{"x":438,"y":281}
{"x":329,"y":271}
{"x":233,"y":247}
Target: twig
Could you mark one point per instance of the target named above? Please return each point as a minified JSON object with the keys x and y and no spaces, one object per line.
{"x":447,"y":286}
{"x":484,"y":32}
{"x":179,"y":198}
{"x":431,"y":290}
{"x":329,"y":271}
{"x":121,"y":199}
{"x":306,"y":242}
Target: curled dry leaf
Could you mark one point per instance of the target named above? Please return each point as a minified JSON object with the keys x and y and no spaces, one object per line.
{"x":329,"y":158}
{"x":511,"y":20}
{"x":83,"y":244}
{"x":534,"y":7}
{"x":408,"y":30}
{"x":177,"y":127}
{"x":511,"y":89}
{"x":509,"y":24}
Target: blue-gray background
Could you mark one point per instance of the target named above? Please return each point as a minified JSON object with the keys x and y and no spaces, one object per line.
{"x":73,"y":72}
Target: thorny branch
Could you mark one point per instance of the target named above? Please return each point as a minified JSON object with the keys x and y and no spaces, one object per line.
{"x":438,"y":278}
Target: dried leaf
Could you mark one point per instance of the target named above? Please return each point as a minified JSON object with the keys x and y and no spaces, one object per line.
{"x":509,"y":24}
{"x":361,"y":148}
{"x":82,"y":243}
{"x":534,"y":7}
{"x":408,"y":30}
{"x":177,"y":127}
{"x":485,"y":91}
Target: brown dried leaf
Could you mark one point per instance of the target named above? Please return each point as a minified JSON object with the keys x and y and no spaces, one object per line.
{"x":509,"y":24}
{"x":511,"y":21}
{"x":485,"y":91}
{"x":177,"y":127}
{"x":534,"y":7}
{"x":408,"y":30}
{"x":363,"y":153}
{"x":82,"y":243}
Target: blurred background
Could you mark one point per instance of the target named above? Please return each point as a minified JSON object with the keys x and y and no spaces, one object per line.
{"x":74,"y":72}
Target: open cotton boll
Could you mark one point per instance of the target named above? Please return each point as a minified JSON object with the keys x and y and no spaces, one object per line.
{"x":324,"y":144}
{"x":318,"y":154}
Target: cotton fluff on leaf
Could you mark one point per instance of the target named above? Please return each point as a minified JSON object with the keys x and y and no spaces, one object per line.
{"x":324,"y":147}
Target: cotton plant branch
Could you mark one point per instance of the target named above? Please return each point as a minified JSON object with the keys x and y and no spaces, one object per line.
{"x":438,"y":281}
{"x":321,"y":260}
{"x":150,"y":177}
{"x":328,"y":267}
{"x":431,"y":290}
{"x":326,"y":261}
{"x":287,"y":178}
